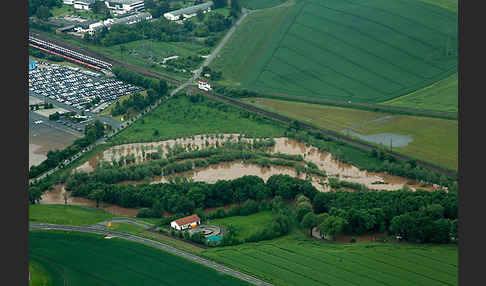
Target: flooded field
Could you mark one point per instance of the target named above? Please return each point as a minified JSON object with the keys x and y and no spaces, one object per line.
{"x":56,"y":196}
{"x":236,"y":169}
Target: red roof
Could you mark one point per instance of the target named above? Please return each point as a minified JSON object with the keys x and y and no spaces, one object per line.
{"x":187,"y":220}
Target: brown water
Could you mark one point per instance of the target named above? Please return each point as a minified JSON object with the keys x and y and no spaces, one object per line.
{"x":233,"y":170}
{"x":56,"y":196}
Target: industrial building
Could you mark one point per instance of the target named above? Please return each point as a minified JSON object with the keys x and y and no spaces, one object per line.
{"x":83,"y":4}
{"x":129,"y":20}
{"x":119,"y":7}
{"x":188,"y":12}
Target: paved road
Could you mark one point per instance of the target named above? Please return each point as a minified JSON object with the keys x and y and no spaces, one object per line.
{"x":215,"y":52}
{"x":103,"y":224}
{"x":156,"y":244}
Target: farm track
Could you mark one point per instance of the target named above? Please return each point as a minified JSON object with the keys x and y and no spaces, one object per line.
{"x":276,"y":116}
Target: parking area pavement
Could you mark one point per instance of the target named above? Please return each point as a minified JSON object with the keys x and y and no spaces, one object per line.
{"x":76,"y":88}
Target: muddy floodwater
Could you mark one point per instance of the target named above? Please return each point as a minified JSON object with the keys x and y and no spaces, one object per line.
{"x":56,"y":196}
{"x":236,"y":169}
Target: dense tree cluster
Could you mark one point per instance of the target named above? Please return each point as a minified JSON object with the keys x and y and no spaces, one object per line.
{"x":41,"y":8}
{"x":418,"y":216}
{"x":134,"y":78}
{"x":135,"y":102}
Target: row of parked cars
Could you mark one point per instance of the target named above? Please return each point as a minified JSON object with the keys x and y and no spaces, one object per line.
{"x":75,"y":88}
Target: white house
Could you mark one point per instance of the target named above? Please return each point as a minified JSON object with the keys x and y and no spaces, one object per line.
{"x":83,"y":4}
{"x":204,"y":85}
{"x":186,"y":222}
{"x":188,"y":12}
{"x":119,"y":7}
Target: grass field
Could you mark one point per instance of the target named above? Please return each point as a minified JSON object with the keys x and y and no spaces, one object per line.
{"x":447,"y":4}
{"x":260,"y":4}
{"x":180,"y":117}
{"x":88,"y":259}
{"x":434,"y":140}
{"x":294,"y":260}
{"x":127,"y":228}
{"x":348,"y":50}
{"x":246,"y":225}
{"x":67,"y":214}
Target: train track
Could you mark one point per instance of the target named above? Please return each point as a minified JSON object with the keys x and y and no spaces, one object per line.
{"x":276,"y":116}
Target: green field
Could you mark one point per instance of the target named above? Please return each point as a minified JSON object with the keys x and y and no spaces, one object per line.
{"x":359,"y":51}
{"x":440,"y":96}
{"x":67,"y":214}
{"x":447,"y":4}
{"x":294,"y":260}
{"x":434,"y":139}
{"x":88,"y":259}
{"x":235,"y":68}
{"x":246,"y":225}
{"x":39,"y":275}
{"x":180,"y":117}
{"x":260,"y":4}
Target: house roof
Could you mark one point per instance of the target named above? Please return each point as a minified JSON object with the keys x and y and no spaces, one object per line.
{"x":187,"y":220}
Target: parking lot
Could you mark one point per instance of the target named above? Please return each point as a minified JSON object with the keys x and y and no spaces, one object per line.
{"x":76,"y":87}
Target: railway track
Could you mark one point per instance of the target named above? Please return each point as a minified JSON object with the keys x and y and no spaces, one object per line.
{"x":265,"y":113}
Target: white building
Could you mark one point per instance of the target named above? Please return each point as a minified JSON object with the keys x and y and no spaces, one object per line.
{"x":68,"y":2}
{"x":188,"y":12}
{"x":129,"y":20}
{"x":204,"y":85}
{"x":191,"y":221}
{"x":83,"y":4}
{"x":119,"y":7}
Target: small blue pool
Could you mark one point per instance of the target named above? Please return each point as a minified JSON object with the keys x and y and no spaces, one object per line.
{"x":214,"y":238}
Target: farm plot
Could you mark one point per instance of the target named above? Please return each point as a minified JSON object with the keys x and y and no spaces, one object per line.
{"x":260,"y":4}
{"x":433,"y":139}
{"x":82,"y":259}
{"x":356,"y":51}
{"x":246,"y":225}
{"x":291,"y":261}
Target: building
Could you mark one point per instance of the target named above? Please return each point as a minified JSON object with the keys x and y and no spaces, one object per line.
{"x":186,"y":222}
{"x":204,"y":85}
{"x":68,"y":2}
{"x":83,"y":4}
{"x":188,"y":12}
{"x":128,"y":20}
{"x":119,"y":7}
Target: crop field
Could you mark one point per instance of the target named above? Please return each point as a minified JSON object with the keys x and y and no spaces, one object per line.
{"x":359,"y":51}
{"x":299,"y":261}
{"x":447,"y":4}
{"x":441,"y":96}
{"x":246,"y":225}
{"x":179,"y":117}
{"x":235,"y":68}
{"x":88,"y":259}
{"x":434,"y":139}
{"x":260,"y":4}
{"x":39,"y":275}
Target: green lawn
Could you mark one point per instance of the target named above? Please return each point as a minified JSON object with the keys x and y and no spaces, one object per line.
{"x":441,"y":96}
{"x":359,"y":51}
{"x":434,"y":139}
{"x":246,"y":225}
{"x":67,"y":214}
{"x":89,"y":259}
{"x":294,"y":260}
{"x":127,"y":228}
{"x":260,"y":4}
{"x":180,"y":117}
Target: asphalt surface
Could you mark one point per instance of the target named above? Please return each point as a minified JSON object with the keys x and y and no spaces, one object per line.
{"x":152,"y":243}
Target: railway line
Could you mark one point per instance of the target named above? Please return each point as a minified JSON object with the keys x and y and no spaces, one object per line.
{"x":276,"y":116}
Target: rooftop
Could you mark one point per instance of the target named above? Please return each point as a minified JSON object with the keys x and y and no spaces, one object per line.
{"x":124,"y":1}
{"x":187,"y":220}
{"x":192,"y":9}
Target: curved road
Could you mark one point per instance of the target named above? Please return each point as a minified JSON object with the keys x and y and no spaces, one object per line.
{"x":158,"y":245}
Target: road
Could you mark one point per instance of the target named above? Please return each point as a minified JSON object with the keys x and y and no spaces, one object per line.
{"x":212,"y":56}
{"x":208,"y":263}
